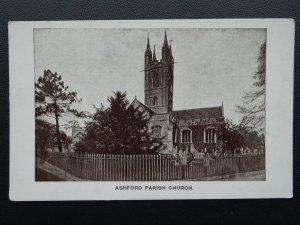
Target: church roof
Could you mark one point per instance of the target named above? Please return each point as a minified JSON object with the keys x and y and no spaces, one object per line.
{"x":140,"y":106}
{"x":200,"y":113}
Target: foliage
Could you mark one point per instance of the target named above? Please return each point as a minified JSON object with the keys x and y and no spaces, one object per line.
{"x":45,"y":136}
{"x":53,"y":98}
{"x":237,"y":136}
{"x":119,"y":129}
{"x":65,"y":140}
{"x":253,"y":108}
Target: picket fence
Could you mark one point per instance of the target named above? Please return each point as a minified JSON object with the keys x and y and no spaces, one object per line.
{"x":100,"y":167}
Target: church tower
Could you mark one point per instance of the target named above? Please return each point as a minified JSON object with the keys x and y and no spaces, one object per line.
{"x":159,"y":78}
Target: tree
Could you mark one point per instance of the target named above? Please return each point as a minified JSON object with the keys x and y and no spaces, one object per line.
{"x":119,"y":129}
{"x":53,"y":98}
{"x":232,"y":135}
{"x":43,"y":135}
{"x":253,"y":108}
{"x":237,"y":136}
{"x":252,"y":139}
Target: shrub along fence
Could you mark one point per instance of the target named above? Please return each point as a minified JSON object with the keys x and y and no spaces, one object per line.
{"x":100,"y":167}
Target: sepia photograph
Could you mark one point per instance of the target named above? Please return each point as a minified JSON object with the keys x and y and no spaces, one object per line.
{"x":159,"y":104}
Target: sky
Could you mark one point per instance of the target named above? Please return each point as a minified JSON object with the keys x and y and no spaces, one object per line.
{"x":212,"y":65}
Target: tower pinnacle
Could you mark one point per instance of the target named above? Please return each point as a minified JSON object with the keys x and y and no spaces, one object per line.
{"x":148,"y":53}
{"x":154,"y":55}
{"x":171,"y":48}
{"x":165,"y":48}
{"x":166,"y":40}
{"x":148,"y":43}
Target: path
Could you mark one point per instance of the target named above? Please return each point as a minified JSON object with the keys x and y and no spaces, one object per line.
{"x":48,"y":172}
{"x":249,"y":176}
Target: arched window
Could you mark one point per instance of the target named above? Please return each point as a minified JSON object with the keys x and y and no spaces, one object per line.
{"x":186,"y":136}
{"x":210,"y":135}
{"x":155,"y":81}
{"x":155,"y":100}
{"x":156,"y":131}
{"x":152,"y":81}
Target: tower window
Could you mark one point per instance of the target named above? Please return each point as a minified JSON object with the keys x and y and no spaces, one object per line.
{"x":210,"y":136}
{"x":155,"y":100}
{"x":186,"y":136}
{"x":155,"y":81}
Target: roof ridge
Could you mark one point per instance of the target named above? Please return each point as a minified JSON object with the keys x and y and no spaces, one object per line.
{"x":197,"y":108}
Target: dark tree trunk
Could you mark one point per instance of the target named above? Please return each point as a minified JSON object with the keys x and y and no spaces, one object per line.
{"x":57,"y":130}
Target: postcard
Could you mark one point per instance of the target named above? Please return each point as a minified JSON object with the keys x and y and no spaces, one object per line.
{"x":151,"y":109}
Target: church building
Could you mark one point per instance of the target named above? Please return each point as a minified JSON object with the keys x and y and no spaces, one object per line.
{"x":193,"y":130}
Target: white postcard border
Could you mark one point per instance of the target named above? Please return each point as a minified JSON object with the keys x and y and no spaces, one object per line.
{"x":279,"y":119}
